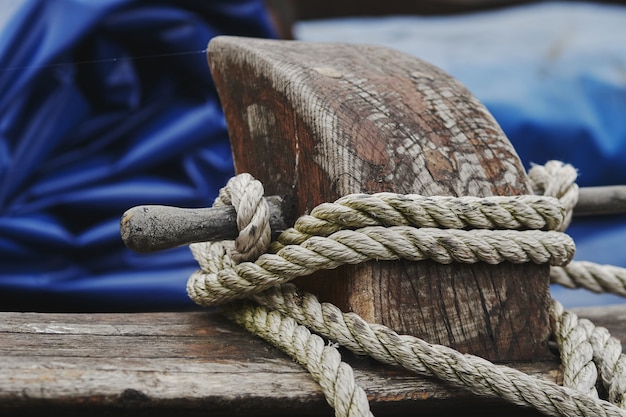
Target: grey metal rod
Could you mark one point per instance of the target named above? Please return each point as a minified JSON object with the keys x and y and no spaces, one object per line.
{"x":594,"y":201}
{"x":154,"y":228}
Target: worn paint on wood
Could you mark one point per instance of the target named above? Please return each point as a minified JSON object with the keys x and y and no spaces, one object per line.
{"x":314,"y":122}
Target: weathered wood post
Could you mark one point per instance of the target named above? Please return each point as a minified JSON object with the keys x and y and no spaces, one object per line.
{"x":314,"y":122}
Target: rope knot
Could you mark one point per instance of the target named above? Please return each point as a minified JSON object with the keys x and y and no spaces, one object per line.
{"x":253,"y":216}
{"x":556,"y":179}
{"x":217,"y":260}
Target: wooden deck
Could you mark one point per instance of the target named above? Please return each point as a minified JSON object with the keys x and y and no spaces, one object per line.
{"x":201,"y":364}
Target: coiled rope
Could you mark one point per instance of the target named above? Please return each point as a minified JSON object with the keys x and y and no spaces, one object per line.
{"x":390,"y":226}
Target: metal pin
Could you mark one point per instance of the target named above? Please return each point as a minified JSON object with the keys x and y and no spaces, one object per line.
{"x":154,"y":228}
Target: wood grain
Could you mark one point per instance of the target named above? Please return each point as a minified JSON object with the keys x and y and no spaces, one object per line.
{"x":196,"y":363}
{"x":201,"y":364}
{"x":314,"y":122}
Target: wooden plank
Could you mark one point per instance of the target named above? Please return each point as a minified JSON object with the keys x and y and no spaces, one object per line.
{"x":197,"y":363}
{"x":613,"y":317}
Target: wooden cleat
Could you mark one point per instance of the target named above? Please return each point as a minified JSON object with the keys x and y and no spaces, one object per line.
{"x":314,"y":122}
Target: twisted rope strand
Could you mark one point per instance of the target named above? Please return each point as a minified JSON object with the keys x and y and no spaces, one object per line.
{"x":606,"y":351}
{"x":388,"y":209}
{"x":253,"y":213}
{"x":572,"y":337}
{"x":478,"y":375}
{"x":322,"y":361}
{"x":591,"y":276}
{"x":556,"y":179}
{"x":380,"y":243}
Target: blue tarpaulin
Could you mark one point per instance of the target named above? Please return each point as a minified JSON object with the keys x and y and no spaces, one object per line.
{"x":105,"y":105}
{"x":109,"y":104}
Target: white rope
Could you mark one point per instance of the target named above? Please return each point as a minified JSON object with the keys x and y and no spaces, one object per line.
{"x":556,"y":179}
{"x":246,"y":195}
{"x":607,"y":353}
{"x":355,"y":211}
{"x":390,"y":226}
{"x":322,"y":361}
{"x":475,"y":374}
{"x":211,"y":286}
{"x":572,"y":337}
{"x":591,"y":276}
{"x":441,"y":245}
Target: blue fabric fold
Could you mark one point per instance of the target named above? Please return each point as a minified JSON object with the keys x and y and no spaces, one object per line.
{"x":109,"y":104}
{"x":105,"y":105}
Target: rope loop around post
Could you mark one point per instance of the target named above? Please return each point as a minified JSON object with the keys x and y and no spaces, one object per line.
{"x":246,"y":194}
{"x":389,"y":226}
{"x":389,"y":209}
{"x":556,"y":179}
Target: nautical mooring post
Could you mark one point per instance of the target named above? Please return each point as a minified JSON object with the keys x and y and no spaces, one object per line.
{"x":314,"y":122}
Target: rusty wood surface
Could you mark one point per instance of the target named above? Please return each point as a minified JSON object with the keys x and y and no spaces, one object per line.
{"x":314,"y":122}
{"x":201,"y":364}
